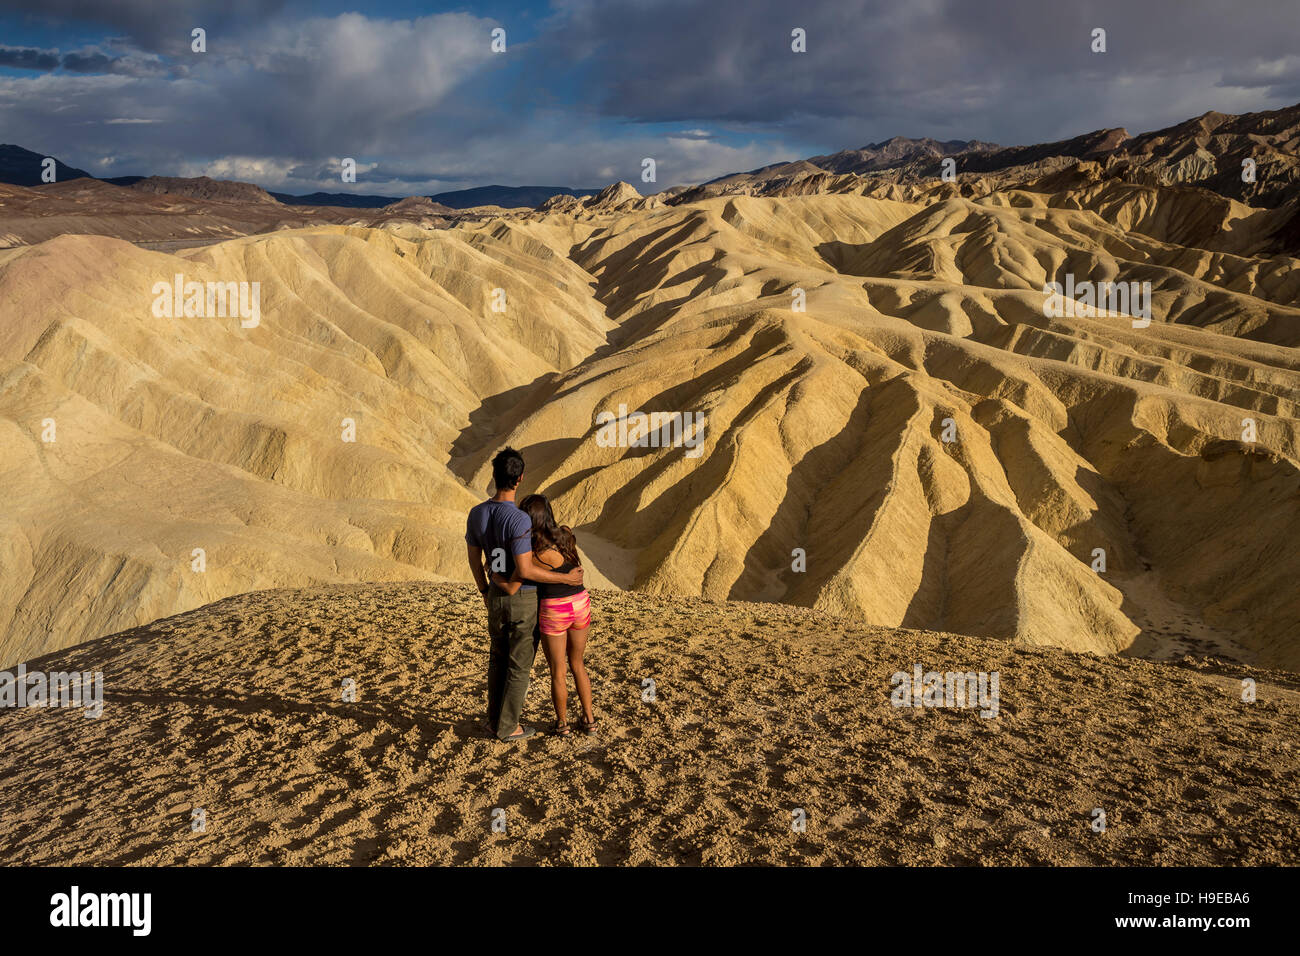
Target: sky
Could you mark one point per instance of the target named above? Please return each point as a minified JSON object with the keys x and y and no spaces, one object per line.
{"x":585,"y":90}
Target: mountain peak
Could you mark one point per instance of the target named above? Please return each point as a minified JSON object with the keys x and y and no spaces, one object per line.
{"x":612,"y":196}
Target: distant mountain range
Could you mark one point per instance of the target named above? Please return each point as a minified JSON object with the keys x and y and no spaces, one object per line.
{"x":346,"y":200}
{"x":506,"y":196}
{"x":22,"y":167}
{"x":873,"y":157}
{"x":1251,"y":158}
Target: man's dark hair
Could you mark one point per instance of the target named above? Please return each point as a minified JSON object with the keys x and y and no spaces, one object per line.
{"x":507,"y":469}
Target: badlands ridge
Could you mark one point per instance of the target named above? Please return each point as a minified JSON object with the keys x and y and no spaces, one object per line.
{"x":895,"y":432}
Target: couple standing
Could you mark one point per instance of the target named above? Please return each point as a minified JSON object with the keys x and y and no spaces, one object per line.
{"x":532,"y":586}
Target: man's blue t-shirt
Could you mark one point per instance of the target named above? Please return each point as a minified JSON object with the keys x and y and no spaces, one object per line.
{"x":500,"y":526}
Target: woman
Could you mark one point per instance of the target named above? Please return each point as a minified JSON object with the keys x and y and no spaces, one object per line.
{"x":564,"y":611}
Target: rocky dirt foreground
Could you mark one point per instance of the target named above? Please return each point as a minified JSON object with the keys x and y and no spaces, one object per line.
{"x":758,"y":712}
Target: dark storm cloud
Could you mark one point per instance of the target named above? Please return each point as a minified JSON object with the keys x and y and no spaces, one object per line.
{"x":158,"y":26}
{"x":1022,"y":68}
{"x":81,"y":61}
{"x":96,"y":62}
{"x":85,"y":61}
{"x":28,"y":59}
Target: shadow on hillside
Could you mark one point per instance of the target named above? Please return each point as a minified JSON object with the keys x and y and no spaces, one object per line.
{"x":774,"y":546}
{"x":664,"y":514}
{"x":495,"y":418}
{"x":844,"y":257}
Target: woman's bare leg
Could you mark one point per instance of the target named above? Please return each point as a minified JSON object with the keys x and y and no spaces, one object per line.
{"x":559,"y":685}
{"x":577,"y":644}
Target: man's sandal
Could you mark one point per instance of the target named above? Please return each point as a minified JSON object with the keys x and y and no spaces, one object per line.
{"x":562,"y":730}
{"x":589,"y":726}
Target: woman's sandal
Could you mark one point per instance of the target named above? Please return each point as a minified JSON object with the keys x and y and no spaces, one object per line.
{"x":562,"y":730}
{"x":589,"y":726}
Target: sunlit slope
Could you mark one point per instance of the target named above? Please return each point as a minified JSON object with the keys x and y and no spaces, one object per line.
{"x":894,"y":430}
{"x":172,"y":434}
{"x":825,"y":427}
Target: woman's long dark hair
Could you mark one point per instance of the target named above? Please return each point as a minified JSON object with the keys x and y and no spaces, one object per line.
{"x":546,"y":533}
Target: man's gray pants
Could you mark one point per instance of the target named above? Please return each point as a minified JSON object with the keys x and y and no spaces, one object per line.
{"x":512,"y":625}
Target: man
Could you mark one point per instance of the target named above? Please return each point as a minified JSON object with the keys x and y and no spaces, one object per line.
{"x":498,"y":530}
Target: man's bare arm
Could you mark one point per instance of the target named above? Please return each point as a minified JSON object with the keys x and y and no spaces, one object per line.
{"x":476,"y":565}
{"x":511,"y":586}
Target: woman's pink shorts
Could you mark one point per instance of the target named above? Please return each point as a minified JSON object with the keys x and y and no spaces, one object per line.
{"x":558,"y":615}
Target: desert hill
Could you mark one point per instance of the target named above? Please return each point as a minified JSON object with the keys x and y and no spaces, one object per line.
{"x":31,"y":215}
{"x":1204,"y":151}
{"x":1070,"y":420}
{"x":617,"y":196}
{"x":414,"y":210}
{"x":894,"y":152}
{"x":421,"y":205}
{"x":825,"y":427}
{"x":1205,"y":154}
{"x":236,"y":709}
{"x":893,"y":429}
{"x":203,"y":187}
{"x":506,"y":197}
{"x":172,"y":214}
{"x":346,"y":200}
{"x":233,"y":444}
